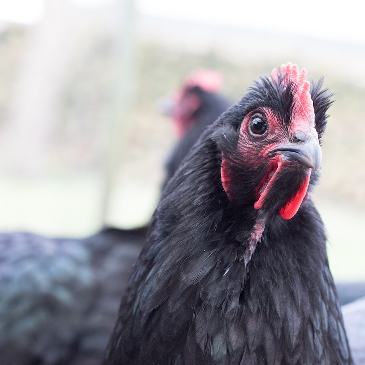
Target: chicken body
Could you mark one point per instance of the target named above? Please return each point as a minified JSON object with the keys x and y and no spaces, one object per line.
{"x":59,"y":298}
{"x":235,"y":269}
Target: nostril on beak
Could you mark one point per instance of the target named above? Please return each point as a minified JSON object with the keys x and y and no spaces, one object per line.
{"x":298,"y":136}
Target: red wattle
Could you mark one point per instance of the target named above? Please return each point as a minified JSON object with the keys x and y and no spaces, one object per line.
{"x":277,"y":165}
{"x":291,"y":208}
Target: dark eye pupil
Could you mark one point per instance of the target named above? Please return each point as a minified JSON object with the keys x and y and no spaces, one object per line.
{"x":258,"y":126}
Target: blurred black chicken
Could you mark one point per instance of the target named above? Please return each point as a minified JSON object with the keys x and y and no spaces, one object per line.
{"x":235,"y":269}
{"x":59,"y":298}
{"x":197,"y":105}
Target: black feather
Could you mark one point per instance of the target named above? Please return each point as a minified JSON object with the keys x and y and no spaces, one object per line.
{"x":321,"y":102}
{"x":59,"y":297}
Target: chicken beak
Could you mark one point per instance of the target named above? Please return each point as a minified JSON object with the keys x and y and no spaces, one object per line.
{"x":308,"y":153}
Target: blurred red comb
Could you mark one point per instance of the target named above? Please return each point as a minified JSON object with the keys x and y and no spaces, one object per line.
{"x":208,"y":80}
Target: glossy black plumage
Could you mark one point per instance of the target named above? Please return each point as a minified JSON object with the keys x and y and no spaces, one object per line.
{"x":193,"y":300}
{"x":59,"y":297}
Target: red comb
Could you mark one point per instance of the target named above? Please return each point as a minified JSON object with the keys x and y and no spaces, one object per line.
{"x":303,"y":104}
{"x":208,"y":80}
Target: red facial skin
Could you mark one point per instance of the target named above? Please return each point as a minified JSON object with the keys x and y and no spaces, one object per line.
{"x":257,"y":148}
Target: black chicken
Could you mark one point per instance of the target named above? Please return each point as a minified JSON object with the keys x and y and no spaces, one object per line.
{"x":235,"y":269}
{"x":197,"y":106}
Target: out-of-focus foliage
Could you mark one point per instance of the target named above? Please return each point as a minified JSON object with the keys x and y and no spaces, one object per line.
{"x":66,"y":199}
{"x":147,"y":135}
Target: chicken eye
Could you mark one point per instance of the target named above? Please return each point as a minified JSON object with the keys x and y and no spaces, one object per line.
{"x":257,"y":126}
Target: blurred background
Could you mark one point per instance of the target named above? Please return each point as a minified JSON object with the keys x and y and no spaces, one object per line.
{"x":82,"y":140}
